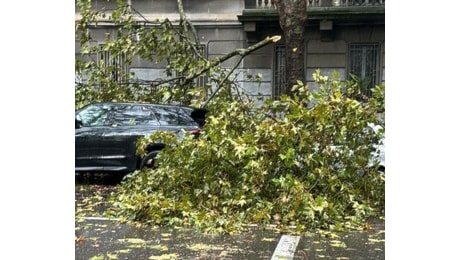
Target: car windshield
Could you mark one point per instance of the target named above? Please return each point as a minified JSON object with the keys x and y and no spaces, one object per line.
{"x":93,"y":115}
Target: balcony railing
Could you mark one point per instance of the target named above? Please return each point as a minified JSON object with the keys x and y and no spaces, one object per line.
{"x":268,"y":4}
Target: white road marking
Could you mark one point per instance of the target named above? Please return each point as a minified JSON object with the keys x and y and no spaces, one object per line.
{"x":286,"y":247}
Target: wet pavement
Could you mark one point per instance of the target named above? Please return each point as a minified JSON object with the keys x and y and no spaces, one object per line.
{"x":109,"y":240}
{"x":99,"y":238}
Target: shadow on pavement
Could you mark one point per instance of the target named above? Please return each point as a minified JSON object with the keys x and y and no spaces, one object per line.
{"x":99,"y":178}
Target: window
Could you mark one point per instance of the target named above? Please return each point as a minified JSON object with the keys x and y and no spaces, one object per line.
{"x":279,"y":70}
{"x":364,"y":66}
{"x":173,"y":116}
{"x":201,"y":80}
{"x":115,"y":64}
{"x":130,"y":115}
{"x":93,"y":115}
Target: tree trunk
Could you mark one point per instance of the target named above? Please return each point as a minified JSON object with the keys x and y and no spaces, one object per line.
{"x":293,"y":16}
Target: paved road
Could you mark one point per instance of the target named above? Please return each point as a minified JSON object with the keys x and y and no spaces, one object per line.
{"x":99,"y":238}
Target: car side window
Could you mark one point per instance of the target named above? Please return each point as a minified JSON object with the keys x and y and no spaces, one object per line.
{"x":93,"y":115}
{"x":131,"y":115}
{"x":173,"y":116}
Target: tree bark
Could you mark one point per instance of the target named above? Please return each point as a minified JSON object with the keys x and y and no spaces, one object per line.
{"x":293,"y":17}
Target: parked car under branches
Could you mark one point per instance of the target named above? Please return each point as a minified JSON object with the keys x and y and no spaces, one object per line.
{"x":106,"y":133}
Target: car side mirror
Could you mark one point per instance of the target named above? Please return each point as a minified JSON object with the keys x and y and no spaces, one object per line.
{"x":199,"y":115}
{"x":78,"y":124}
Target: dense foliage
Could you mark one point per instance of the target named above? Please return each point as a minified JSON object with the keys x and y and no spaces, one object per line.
{"x":299,"y":161}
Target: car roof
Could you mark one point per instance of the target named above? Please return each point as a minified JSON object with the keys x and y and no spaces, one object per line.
{"x":138,"y":103}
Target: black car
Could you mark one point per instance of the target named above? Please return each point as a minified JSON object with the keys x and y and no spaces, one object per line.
{"x":106,"y":133}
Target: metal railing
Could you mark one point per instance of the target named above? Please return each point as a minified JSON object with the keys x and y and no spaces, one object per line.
{"x":268,"y":4}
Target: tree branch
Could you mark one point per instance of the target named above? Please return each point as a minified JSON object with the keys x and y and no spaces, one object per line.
{"x":238,"y":52}
{"x":186,"y":24}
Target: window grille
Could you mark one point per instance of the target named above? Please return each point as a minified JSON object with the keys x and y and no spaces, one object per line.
{"x":115,"y":64}
{"x":364,"y":64}
{"x":279,"y":70}
{"x":201,"y":80}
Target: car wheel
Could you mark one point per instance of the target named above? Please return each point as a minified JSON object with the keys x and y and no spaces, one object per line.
{"x":149,"y":160}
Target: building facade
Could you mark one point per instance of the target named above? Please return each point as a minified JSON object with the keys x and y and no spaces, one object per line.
{"x":347,"y":36}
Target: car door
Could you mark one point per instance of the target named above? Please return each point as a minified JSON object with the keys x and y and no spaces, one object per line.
{"x":93,"y":120}
{"x":128,"y":122}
